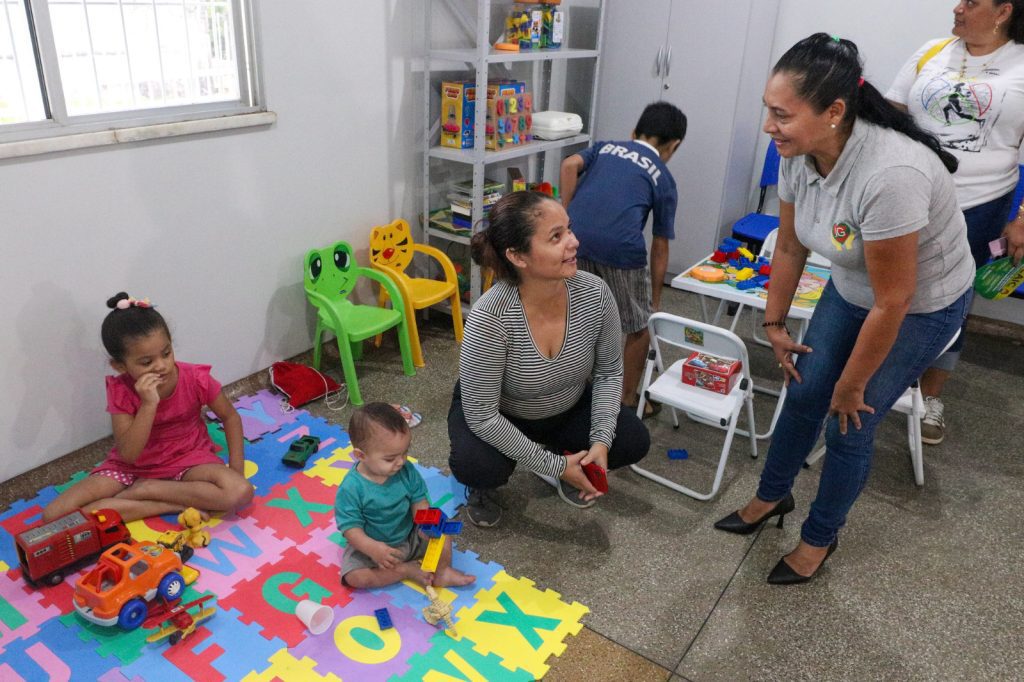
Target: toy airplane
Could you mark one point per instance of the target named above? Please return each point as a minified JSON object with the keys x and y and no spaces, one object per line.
{"x":175,"y":623}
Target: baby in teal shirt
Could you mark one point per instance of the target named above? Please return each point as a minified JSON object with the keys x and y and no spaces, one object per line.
{"x":376,"y":503}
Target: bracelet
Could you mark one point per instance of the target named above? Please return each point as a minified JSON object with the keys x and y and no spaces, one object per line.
{"x":778,"y":323}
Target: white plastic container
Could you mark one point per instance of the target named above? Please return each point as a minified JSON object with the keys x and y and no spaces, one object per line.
{"x":555,"y":125}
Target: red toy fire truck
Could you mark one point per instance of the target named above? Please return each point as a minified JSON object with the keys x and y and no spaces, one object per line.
{"x":48,"y":551}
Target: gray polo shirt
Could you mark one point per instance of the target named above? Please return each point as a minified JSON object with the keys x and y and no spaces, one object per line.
{"x":884,"y":185}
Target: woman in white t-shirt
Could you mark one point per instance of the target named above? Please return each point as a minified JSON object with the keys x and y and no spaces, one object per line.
{"x":864,"y":184}
{"x":968,"y":91}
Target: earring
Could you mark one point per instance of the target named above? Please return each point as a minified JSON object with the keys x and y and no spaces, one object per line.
{"x":832,"y":125}
{"x":995,"y":29}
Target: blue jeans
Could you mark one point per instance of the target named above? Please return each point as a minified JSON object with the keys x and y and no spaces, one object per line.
{"x":985,"y":222}
{"x":832,"y":334}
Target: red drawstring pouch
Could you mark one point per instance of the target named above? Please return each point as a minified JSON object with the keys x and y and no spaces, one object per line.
{"x":300,"y":383}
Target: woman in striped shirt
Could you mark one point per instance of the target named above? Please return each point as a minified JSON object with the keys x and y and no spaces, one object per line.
{"x":540,"y":370}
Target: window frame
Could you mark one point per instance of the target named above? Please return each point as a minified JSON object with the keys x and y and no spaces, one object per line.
{"x":59,"y":124}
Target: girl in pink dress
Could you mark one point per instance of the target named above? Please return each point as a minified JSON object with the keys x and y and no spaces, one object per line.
{"x":163,"y":459}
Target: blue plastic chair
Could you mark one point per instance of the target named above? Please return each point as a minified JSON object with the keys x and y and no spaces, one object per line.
{"x":755,"y":227}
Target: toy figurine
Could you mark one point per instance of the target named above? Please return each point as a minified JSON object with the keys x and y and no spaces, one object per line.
{"x":191,"y":536}
{"x":439,"y":610}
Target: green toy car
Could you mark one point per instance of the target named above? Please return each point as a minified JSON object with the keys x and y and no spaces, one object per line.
{"x":300,"y":451}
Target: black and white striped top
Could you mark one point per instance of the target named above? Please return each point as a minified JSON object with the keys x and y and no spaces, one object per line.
{"x":503,"y":373}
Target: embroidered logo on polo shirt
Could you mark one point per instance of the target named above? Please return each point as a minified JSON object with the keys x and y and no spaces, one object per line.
{"x":843,"y":235}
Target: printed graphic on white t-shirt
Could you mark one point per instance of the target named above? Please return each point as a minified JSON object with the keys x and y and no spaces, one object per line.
{"x":965,"y":110}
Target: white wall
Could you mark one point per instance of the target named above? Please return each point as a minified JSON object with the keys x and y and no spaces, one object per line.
{"x":886,"y":33}
{"x":212,"y":227}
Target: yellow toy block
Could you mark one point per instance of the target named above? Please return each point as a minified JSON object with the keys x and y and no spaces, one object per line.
{"x":433,"y":555}
{"x":746,"y":253}
{"x":744,"y":274}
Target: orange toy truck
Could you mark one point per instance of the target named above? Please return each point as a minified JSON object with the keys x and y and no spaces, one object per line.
{"x":49,"y":550}
{"x":125,"y":579}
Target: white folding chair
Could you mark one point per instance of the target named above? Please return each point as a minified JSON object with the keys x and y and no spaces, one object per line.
{"x":911,"y":403}
{"x":669,"y":389}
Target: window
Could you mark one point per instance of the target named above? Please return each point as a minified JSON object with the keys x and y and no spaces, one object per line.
{"x":69,"y":66}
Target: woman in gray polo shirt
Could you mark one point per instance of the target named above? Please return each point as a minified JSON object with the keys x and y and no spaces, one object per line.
{"x":862,"y":183}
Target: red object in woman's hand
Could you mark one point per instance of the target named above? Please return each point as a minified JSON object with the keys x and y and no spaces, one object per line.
{"x":595,"y":474}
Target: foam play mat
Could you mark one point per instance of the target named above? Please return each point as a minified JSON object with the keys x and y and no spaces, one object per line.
{"x":281,"y":549}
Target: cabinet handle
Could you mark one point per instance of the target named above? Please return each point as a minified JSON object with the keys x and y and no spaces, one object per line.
{"x":657,"y":61}
{"x":668,"y":61}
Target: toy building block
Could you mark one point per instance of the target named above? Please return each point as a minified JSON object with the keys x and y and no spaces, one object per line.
{"x":729,"y":244}
{"x":301,"y":450}
{"x":765,"y":270}
{"x":745,"y":253}
{"x":383,"y":619}
{"x":760,"y":279}
{"x":451,"y":527}
{"x":433,"y":530}
{"x":744,"y":274}
{"x":678,"y":454}
{"x":433,"y":555}
{"x":744,"y":285}
{"x":428,"y":517}
{"x":719,"y":256}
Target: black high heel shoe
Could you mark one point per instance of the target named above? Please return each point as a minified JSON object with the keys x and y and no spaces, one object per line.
{"x":734,"y":524}
{"x":783,"y":573}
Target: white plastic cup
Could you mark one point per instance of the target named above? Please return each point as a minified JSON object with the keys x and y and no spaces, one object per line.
{"x":316,"y":617}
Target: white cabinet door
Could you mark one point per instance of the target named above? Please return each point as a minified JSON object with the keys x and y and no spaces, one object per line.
{"x":716,"y":69}
{"x":634,"y":42}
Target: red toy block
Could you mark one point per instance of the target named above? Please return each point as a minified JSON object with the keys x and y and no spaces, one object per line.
{"x":719,"y":257}
{"x":765,"y":270}
{"x":427,"y":517}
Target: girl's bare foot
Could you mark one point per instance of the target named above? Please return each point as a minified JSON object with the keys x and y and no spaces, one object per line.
{"x":411,"y":570}
{"x":449,"y":576}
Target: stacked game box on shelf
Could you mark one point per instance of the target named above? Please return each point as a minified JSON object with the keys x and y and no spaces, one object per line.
{"x":460,"y":195}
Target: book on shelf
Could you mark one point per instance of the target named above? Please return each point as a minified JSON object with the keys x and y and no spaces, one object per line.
{"x":466,"y":203}
{"x":441,"y":219}
{"x":465,"y":187}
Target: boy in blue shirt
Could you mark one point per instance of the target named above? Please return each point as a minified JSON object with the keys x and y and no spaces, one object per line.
{"x":622,"y":183}
{"x":375,"y":505}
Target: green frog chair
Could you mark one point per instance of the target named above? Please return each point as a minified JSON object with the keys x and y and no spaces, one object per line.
{"x":330,"y":276}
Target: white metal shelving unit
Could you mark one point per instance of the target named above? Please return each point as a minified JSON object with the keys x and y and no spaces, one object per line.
{"x":480,"y":58}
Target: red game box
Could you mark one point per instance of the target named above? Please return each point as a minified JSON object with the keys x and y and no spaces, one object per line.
{"x":711,"y":373}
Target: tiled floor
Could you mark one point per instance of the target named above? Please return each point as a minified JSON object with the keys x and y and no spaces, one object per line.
{"x":926,"y":584}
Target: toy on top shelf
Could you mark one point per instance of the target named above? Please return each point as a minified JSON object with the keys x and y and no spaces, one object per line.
{"x":439,"y":610}
{"x":301,"y":450}
{"x":126,"y":577}
{"x":191,"y":536}
{"x":173,"y":620}
{"x":47,"y":551}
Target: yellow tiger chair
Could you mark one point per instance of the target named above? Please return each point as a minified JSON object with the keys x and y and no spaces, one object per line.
{"x":391,"y":251}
